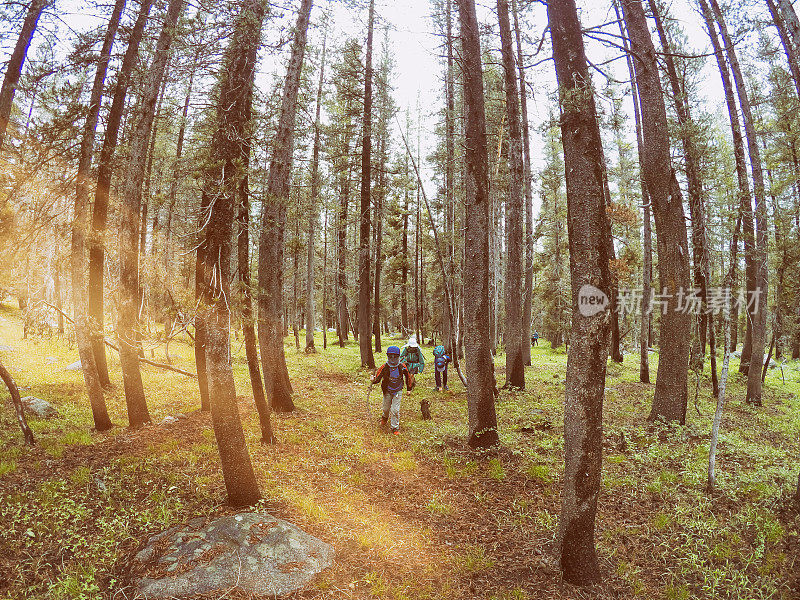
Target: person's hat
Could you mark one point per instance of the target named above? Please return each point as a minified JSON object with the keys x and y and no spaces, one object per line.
{"x":392,"y":350}
{"x":412,"y":342}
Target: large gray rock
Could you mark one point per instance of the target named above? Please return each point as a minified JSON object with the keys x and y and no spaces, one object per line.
{"x":41,"y":409}
{"x":76,"y":366}
{"x":257,"y":553}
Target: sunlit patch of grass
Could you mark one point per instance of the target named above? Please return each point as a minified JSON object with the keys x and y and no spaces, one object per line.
{"x":473,"y":559}
{"x":496,"y":470}
{"x":540,"y":473}
{"x":77,"y":437}
{"x":662,"y":521}
{"x":404,"y":462}
{"x":438,"y":504}
{"x":7,"y":466}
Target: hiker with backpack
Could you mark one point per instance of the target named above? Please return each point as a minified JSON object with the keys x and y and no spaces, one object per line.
{"x":535,"y":338}
{"x":440,"y":362}
{"x":412,"y":357}
{"x":392,"y":375}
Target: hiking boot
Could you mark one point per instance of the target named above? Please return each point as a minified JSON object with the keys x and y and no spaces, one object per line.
{"x":384,"y":421}
{"x":446,"y":389}
{"x":395,"y":431}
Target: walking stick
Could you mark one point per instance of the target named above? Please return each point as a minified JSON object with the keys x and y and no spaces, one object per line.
{"x":369,"y":391}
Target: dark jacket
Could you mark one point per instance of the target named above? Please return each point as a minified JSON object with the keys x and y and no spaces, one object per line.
{"x":383,"y":374}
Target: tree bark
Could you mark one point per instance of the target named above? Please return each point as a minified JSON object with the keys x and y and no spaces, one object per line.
{"x":96,"y":304}
{"x":85,"y":328}
{"x":225,"y":179}
{"x":759,"y":298}
{"x":528,"y":190}
{"x":343,"y":323}
{"x":271,"y":241}
{"x":743,"y":182}
{"x":789,"y":49}
{"x":19,"y":409}
{"x":589,"y":265}
{"x":647,"y":236}
{"x":671,"y":393}
{"x":200,"y":328}
{"x":313,"y":214}
{"x":479,"y":364}
{"x":694,"y":187}
{"x":128,"y":318}
{"x":364,"y":287}
{"x":515,"y":337}
{"x":243,"y":263}
{"x":16,"y":62}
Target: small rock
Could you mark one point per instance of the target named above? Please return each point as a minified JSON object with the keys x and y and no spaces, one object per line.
{"x":50,"y":360}
{"x":76,"y":366}
{"x":101,"y":485}
{"x":169,"y":419}
{"x":41,"y":409}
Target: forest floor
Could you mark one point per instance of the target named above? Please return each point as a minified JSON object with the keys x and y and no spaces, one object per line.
{"x":411,"y":516}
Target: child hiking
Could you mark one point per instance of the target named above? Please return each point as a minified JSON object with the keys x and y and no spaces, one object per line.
{"x":412,"y":357}
{"x":392,"y":375}
{"x":440,"y":362}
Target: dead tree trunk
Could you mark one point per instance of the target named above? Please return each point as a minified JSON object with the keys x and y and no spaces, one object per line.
{"x":271,"y":241}
{"x":479,"y":367}
{"x":589,"y":266}
{"x":16,"y":400}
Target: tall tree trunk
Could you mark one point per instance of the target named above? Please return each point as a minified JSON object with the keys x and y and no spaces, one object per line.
{"x":128,"y":319}
{"x":790,"y":50}
{"x":647,"y":236}
{"x":671,"y":393}
{"x":376,"y":317}
{"x":759,"y":298}
{"x":243,"y":263}
{"x":791,"y":20}
{"x":479,"y":364}
{"x":743,"y":182}
{"x":589,"y":231}
{"x":313,"y":214}
{"x":271,"y":241}
{"x":343,"y":322}
{"x":695,"y":190}
{"x":225,"y":179}
{"x":16,"y":62}
{"x":364,"y":287}
{"x":84,"y":327}
{"x":516,"y":340}
{"x":200,"y":327}
{"x":96,"y":305}
{"x":404,"y":268}
{"x":528,"y":190}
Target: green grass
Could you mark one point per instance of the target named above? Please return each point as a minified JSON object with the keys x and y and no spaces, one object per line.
{"x":395,"y":502}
